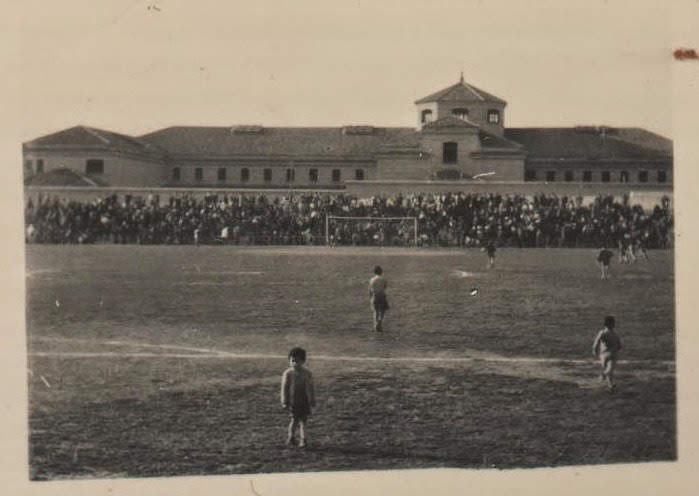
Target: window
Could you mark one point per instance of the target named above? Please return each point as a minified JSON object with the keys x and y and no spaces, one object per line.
{"x":359,"y":174}
{"x":662,"y":176}
{"x":606,"y":176}
{"x":336,"y":175}
{"x":493,"y":116}
{"x":426,"y":116}
{"x":450,"y":151}
{"x":268,"y":175}
{"x":550,"y":176}
{"x":624,"y":177}
{"x":198,"y":173}
{"x":221,"y":173}
{"x":530,"y":175}
{"x":290,"y":175}
{"x":244,"y":175}
{"x":176,"y":174}
{"x":587,"y":176}
{"x":39,"y":166}
{"x":28,"y":164}
{"x":313,"y":175}
{"x":460,"y":113}
{"x":568,"y":176}
{"x":94,"y":166}
{"x":643,"y":176}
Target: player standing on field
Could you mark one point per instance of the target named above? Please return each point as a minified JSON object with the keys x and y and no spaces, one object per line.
{"x":297,"y":395}
{"x":377,"y":295}
{"x":490,"y":248}
{"x":603,"y":258}
{"x":606,"y":347}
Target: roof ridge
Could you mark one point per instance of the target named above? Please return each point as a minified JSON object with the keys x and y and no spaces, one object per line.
{"x":96,"y":134}
{"x":473,"y":90}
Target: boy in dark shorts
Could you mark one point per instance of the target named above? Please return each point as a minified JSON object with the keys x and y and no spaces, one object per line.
{"x":297,"y":396}
{"x":606,"y":347}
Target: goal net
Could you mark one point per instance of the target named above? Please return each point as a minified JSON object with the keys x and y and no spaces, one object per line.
{"x":371,"y":231}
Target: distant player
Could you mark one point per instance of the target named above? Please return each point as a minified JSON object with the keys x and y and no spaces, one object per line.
{"x":297,"y":395}
{"x":603,"y":259}
{"x":490,"y":249}
{"x":377,"y":295}
{"x":606,"y":347}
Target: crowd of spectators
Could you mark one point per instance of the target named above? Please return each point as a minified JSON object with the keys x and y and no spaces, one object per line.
{"x":451,"y":219}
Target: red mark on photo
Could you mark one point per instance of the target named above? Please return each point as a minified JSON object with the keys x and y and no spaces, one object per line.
{"x":686,"y":54}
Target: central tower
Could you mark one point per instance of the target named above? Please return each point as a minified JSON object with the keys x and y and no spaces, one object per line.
{"x":465,"y":102}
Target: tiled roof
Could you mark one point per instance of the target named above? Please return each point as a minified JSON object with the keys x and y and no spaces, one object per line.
{"x":331,"y":142}
{"x":491,"y":141}
{"x":90,"y":137}
{"x":461,"y":92}
{"x":449,"y":122}
{"x":581,"y":143}
{"x":60,"y":177}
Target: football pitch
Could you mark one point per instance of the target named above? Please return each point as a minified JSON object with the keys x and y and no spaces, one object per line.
{"x":152,"y":361}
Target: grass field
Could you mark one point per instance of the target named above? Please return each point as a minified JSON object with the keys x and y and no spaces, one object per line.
{"x":155,"y":361}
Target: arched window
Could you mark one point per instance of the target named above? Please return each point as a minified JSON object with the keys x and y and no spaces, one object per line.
{"x":460,"y":113}
{"x":426,"y":116}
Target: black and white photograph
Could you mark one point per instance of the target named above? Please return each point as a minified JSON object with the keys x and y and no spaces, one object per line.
{"x":267,"y":246}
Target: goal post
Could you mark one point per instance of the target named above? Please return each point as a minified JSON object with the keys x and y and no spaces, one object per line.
{"x":371,"y":231}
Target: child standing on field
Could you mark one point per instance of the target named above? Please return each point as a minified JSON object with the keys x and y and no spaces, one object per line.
{"x":606,"y":347}
{"x":297,"y":396}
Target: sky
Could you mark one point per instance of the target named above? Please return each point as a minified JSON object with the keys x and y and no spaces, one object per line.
{"x":135,"y":67}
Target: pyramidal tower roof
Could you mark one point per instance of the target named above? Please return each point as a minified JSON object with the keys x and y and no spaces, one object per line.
{"x":461,"y":92}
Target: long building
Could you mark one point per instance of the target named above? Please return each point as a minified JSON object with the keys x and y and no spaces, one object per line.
{"x":460,"y":137}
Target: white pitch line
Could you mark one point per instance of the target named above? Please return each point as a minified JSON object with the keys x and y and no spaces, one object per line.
{"x":257,"y":356}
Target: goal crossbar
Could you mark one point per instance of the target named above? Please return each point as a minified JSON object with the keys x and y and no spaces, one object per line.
{"x":329,"y":218}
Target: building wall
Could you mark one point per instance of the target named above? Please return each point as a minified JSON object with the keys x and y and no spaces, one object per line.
{"x":301,"y":174}
{"x":426,"y":106}
{"x":467,"y":142}
{"x":404,"y":168}
{"x":615,"y":172}
{"x":477,"y":113}
{"x":505,"y":168}
{"x":118,"y":170}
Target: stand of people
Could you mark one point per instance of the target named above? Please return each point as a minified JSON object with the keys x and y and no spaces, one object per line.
{"x":450,"y":219}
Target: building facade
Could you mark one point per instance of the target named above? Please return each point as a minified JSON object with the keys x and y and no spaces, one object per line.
{"x":460,"y":137}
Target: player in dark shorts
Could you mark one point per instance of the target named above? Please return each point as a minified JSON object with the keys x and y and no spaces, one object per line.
{"x":603,"y":259}
{"x":490,"y":249}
